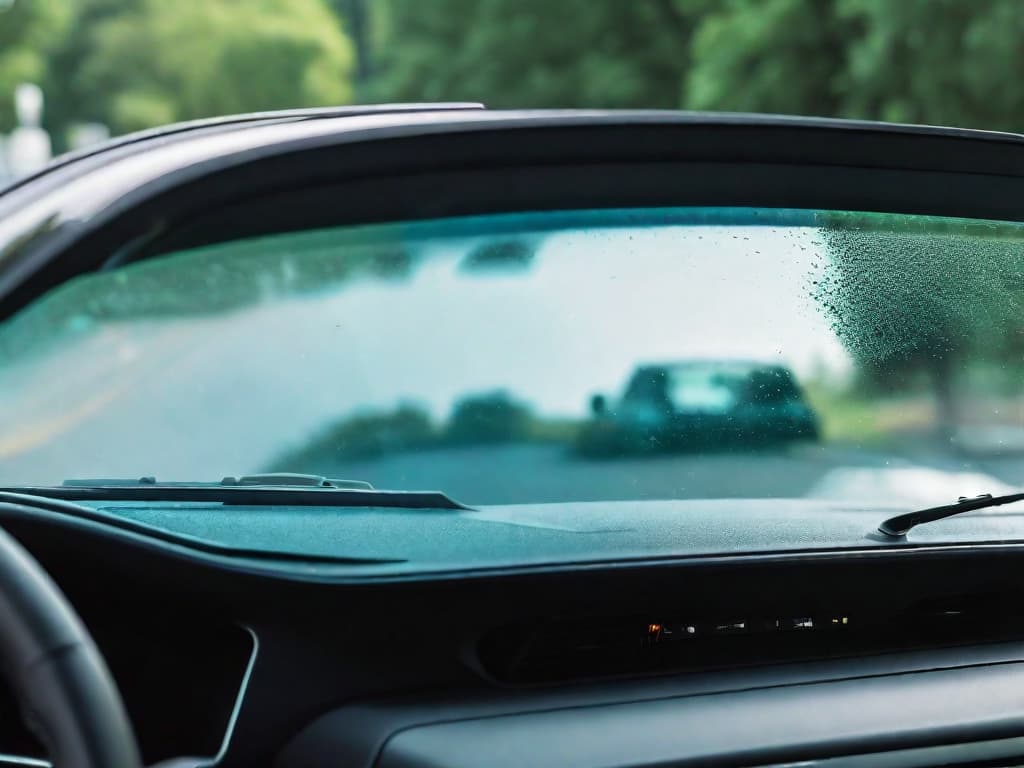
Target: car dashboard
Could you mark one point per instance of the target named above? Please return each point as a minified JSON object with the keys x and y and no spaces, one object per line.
{"x":874,"y":655}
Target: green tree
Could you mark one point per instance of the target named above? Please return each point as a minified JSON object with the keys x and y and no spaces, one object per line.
{"x":360,"y":436}
{"x":141,"y":63}
{"x":133,"y":63}
{"x":784,"y":56}
{"x":493,"y":417}
{"x":911,"y":296}
{"x":72,"y":94}
{"x":360,"y":22}
{"x":944,"y":62}
{"x":26,"y":31}
{"x":536,"y":53}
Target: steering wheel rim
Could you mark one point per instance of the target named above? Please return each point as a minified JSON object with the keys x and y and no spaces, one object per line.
{"x":67,"y":694}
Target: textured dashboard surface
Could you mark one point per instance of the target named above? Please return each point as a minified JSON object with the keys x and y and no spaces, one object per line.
{"x":540,"y":534}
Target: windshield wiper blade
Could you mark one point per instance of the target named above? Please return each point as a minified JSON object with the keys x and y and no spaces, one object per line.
{"x":275,"y":480}
{"x":282,"y":489}
{"x":899,"y":525}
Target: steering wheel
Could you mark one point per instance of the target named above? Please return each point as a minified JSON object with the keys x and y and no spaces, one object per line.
{"x":58,"y":675}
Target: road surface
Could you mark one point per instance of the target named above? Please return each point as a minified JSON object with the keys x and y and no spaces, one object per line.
{"x":181,"y":402}
{"x":538,"y":473}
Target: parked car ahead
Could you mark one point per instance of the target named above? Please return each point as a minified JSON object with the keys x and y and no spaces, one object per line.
{"x":700,"y":405}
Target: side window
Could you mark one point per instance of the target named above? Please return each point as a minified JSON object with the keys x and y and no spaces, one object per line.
{"x":646,"y":386}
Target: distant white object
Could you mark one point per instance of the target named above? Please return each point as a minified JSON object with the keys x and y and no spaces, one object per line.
{"x":901,"y":486}
{"x":5,"y":174}
{"x":995,"y":439}
{"x":82,"y":135}
{"x":28,"y":148}
{"x":28,"y":105}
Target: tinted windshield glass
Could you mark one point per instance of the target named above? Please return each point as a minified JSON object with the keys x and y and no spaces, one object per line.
{"x":630,"y":354}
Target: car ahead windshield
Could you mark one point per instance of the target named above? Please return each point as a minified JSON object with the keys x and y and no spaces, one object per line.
{"x":543,"y":357}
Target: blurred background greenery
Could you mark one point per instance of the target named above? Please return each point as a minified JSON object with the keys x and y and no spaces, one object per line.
{"x":132,"y":64}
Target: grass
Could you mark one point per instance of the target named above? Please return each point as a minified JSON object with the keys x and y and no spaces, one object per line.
{"x":875,"y":421}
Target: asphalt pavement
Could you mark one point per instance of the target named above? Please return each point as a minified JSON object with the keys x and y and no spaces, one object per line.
{"x":550,"y":473}
{"x":538,"y":473}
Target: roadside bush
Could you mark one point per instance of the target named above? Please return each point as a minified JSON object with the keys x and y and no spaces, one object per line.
{"x":492,"y":417}
{"x":363,"y":436}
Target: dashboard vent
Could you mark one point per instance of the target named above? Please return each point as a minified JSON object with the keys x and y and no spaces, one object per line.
{"x":564,"y":649}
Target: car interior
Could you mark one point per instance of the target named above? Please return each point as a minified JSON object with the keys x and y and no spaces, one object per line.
{"x":892,"y":657}
{"x":247,"y":629}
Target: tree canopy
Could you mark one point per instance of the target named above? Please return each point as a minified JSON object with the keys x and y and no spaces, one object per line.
{"x":912,"y":295}
{"x":537,"y":53}
{"x":136,"y":63}
{"x":27,"y":30}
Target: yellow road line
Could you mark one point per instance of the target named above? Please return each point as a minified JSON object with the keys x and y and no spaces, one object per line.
{"x":39,"y":433}
{"x":42,"y":432}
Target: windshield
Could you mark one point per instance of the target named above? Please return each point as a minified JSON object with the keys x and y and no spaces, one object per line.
{"x":547,"y":357}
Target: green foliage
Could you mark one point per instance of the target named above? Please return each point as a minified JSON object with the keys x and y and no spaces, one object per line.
{"x":138,"y":63}
{"x":135,"y":63}
{"x":366,"y":435}
{"x":501,"y":255}
{"x":193,"y":58}
{"x":902,"y":288}
{"x":945,"y":62}
{"x":26,"y":31}
{"x":362,"y":22}
{"x":911,"y":294}
{"x":536,"y":53}
{"x":936,"y":61}
{"x":784,"y":56}
{"x":72,"y":96}
{"x":476,"y":419}
{"x":493,"y":417}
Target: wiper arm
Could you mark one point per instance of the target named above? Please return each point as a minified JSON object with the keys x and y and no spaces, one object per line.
{"x":899,"y":525}
{"x":282,"y":489}
{"x":295,"y":479}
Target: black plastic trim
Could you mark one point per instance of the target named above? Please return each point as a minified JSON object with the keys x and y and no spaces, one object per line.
{"x":739,"y":728}
{"x":357,"y":734}
{"x":484,"y":162}
{"x":230,"y":122}
{"x":235,"y":495}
